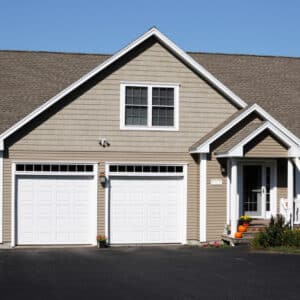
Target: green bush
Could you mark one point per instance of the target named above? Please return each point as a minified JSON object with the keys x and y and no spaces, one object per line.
{"x":277,"y":234}
{"x":291,"y":238}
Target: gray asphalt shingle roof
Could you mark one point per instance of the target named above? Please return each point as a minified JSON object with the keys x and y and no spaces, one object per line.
{"x":238,"y":137}
{"x":28,"y":79}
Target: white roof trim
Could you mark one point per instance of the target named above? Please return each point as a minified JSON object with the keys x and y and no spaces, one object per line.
{"x":238,"y":150}
{"x":152,"y":32}
{"x":205,"y":146}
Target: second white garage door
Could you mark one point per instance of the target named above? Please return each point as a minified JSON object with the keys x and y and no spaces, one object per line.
{"x":55,"y":210}
{"x":146,"y":210}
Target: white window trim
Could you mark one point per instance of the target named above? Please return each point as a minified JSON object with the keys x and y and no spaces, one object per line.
{"x":149,"y":126}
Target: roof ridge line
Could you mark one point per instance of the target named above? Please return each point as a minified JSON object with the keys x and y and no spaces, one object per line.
{"x":188,"y":52}
{"x":243,"y":54}
{"x":55,"y":52}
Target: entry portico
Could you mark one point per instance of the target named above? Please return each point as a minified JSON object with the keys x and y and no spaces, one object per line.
{"x":258,"y":160}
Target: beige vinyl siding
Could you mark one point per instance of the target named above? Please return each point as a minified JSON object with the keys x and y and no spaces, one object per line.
{"x":7,"y":200}
{"x":96,"y":112}
{"x":282,"y":189}
{"x":192,"y":189}
{"x":265,"y":145}
{"x":216,"y":200}
{"x":73,"y":132}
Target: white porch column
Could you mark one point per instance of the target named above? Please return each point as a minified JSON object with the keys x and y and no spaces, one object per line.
{"x":297,"y":179}
{"x":297,"y":191}
{"x":290,"y":184}
{"x":228,"y":194}
{"x":203,"y":196}
{"x":234,"y":207}
{"x":1,"y":197}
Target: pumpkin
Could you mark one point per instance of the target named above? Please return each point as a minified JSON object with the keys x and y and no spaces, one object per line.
{"x":242,"y":228}
{"x":246,"y":224}
{"x":238,"y":235}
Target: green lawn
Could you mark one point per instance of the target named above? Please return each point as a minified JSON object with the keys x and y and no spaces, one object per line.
{"x":291,"y":250}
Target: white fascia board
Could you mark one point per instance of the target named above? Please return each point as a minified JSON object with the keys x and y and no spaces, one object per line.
{"x":152,"y":32}
{"x":205,"y":147}
{"x":238,"y":150}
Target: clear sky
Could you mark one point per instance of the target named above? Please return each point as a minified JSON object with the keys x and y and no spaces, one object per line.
{"x":269,"y":27}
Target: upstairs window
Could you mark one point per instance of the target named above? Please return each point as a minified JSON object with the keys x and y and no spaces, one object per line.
{"x":149,"y":107}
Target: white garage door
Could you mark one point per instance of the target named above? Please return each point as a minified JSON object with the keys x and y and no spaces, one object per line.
{"x":146,"y":210}
{"x":54,"y":210}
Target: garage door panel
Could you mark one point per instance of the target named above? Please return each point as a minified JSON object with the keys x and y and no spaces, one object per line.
{"x":54,"y":209}
{"x":146,"y":210}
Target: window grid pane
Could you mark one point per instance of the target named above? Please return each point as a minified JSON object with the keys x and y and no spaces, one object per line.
{"x":54,"y":168}
{"x":162,"y":116}
{"x":136,"y":105}
{"x":136,"y":95}
{"x":163,"y":106}
{"x":145,"y":169}
{"x":136,"y":115}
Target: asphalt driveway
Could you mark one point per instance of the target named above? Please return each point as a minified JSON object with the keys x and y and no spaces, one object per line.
{"x":148,"y":273}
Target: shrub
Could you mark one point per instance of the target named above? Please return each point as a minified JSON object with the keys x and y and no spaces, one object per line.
{"x":277,"y":234}
{"x":291,"y":238}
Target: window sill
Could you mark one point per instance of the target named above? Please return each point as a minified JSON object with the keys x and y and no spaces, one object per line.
{"x":149,"y":128}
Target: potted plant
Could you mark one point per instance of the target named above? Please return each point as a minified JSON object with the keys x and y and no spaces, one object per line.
{"x":101,"y":241}
{"x":245,"y":220}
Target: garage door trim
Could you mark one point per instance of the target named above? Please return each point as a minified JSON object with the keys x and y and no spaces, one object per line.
{"x":183,"y":174}
{"x":14,"y":181}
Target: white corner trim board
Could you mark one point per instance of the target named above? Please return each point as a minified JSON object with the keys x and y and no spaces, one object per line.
{"x":152,"y":32}
{"x":203,"y":196}
{"x":1,"y":197}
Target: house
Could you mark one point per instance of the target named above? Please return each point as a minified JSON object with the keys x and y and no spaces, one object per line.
{"x":149,"y":145}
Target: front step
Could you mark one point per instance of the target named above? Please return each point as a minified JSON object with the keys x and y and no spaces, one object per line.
{"x":255,"y":227}
{"x":234,"y":242}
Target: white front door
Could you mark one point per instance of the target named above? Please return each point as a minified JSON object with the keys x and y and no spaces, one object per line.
{"x":54,"y":210}
{"x":257,"y":189}
{"x":146,"y":210}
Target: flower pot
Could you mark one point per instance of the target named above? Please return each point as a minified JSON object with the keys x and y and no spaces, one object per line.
{"x":242,"y":228}
{"x":246,"y":224}
{"x":101,"y":244}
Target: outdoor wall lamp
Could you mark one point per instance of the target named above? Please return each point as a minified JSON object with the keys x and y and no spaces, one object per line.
{"x":102,"y":178}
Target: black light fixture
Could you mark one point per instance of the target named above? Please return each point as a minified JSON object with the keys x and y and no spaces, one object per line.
{"x":102,"y":178}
